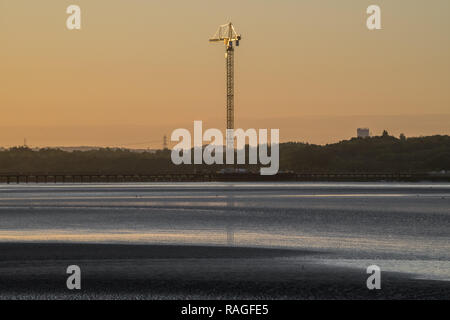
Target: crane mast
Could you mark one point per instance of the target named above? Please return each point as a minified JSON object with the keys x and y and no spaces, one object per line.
{"x":230,"y":87}
{"x":228,"y":35}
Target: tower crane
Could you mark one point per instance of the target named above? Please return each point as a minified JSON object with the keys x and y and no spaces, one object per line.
{"x":228,"y":35}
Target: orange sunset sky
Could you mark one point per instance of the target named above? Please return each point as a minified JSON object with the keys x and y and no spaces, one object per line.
{"x":140,"y":69}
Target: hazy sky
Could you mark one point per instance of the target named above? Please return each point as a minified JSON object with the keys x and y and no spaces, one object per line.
{"x":139,"y":69}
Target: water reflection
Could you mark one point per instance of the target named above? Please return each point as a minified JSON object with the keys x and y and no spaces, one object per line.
{"x":230,"y":203}
{"x":358,"y":221}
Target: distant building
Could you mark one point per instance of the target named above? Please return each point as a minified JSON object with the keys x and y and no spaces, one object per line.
{"x":363,"y":132}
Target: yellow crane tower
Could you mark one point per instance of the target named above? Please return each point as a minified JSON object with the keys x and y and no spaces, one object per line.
{"x":228,"y":35}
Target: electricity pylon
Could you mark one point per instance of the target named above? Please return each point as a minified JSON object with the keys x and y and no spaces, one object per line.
{"x":228,"y":35}
{"x":165,"y":142}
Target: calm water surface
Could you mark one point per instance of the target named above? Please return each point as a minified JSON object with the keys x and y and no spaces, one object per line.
{"x":399,"y":226}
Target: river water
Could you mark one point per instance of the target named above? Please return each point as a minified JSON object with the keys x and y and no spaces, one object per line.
{"x":402,"y":227}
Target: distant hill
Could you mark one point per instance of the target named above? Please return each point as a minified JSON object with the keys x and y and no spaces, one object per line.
{"x":90,"y":148}
{"x":375,"y":154}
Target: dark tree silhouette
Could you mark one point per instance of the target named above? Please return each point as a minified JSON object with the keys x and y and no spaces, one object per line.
{"x":374,"y":154}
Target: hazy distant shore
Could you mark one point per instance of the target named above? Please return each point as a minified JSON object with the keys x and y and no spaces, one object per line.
{"x":37,"y":271}
{"x":357,"y":159}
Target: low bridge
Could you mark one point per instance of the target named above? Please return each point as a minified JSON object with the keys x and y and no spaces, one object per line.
{"x":210,"y":177}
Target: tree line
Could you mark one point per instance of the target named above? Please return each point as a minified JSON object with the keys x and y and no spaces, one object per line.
{"x":374,"y":154}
